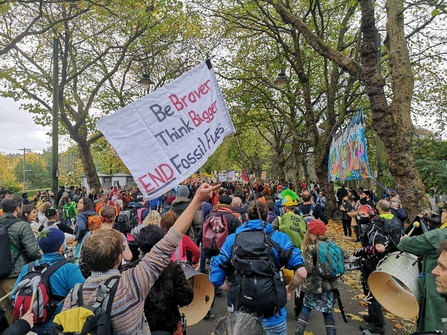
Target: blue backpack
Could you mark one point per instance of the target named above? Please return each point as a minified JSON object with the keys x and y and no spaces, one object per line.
{"x":329,"y":260}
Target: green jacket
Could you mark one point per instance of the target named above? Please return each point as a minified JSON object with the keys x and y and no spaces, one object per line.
{"x":433,"y":304}
{"x":21,"y":235}
{"x":294,"y":226}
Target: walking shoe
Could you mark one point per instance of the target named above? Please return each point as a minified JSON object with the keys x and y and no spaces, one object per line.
{"x":373,"y":328}
{"x":205,"y":271}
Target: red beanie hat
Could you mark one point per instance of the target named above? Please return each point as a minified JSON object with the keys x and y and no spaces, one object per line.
{"x":316,"y":227}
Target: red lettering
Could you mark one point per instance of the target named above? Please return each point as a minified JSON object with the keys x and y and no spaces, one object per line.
{"x":146,"y":186}
{"x":157,"y":178}
{"x":176,"y":101}
{"x":169,"y":170}
{"x":193,"y":96}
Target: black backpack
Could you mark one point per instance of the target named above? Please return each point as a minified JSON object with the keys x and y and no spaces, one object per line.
{"x":127,"y":220}
{"x":259,"y":286}
{"x":6,"y":265}
{"x":93,"y":320}
{"x":391,"y":230}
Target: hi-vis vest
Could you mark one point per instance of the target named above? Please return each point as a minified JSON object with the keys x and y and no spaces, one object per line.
{"x":294,"y":226}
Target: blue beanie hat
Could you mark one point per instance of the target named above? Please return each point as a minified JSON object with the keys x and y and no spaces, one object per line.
{"x":50,"y":240}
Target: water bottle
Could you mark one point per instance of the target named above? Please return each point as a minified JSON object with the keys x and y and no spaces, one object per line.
{"x":366,"y":332}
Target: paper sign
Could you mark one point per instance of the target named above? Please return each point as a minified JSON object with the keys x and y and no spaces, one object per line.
{"x":169,"y":134}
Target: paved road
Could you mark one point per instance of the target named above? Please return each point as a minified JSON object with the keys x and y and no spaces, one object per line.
{"x":351,"y":303}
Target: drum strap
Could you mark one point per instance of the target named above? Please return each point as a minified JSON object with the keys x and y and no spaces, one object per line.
{"x":340,"y":305}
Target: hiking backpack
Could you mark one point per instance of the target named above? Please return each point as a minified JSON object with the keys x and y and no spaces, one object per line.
{"x":329,"y":260}
{"x":129,"y":219}
{"x":82,"y":319}
{"x":214,"y":234}
{"x":69,"y":210}
{"x":6,"y":246}
{"x":309,"y":216}
{"x":258,"y":283}
{"x":43,"y":306}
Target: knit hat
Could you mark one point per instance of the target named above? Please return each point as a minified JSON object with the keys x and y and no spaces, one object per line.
{"x":366,"y":209}
{"x":170,"y":199}
{"x":225,"y":200}
{"x":50,"y":240}
{"x":182,"y":191}
{"x":316,"y":227}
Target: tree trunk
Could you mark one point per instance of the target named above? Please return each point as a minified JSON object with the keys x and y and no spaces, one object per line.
{"x":89,"y":166}
{"x":392,"y":122}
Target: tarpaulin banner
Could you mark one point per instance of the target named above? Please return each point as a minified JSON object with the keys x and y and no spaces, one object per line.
{"x":169,"y":134}
{"x":348,"y":158}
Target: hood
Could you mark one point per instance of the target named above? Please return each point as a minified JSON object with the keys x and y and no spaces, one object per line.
{"x":179,"y":201}
{"x":88,"y":213}
{"x":6,"y":216}
{"x":254,"y":225}
{"x":135,"y":204}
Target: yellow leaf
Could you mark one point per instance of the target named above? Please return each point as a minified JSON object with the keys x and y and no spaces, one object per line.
{"x":362,"y":303}
{"x":308,"y":333}
{"x":336,"y":310}
{"x":355,"y":317}
{"x":363,"y":313}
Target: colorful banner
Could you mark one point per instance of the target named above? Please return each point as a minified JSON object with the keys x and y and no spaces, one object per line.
{"x":169,"y":134}
{"x":348,"y":159}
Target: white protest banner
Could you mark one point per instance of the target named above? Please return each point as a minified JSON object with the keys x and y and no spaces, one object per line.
{"x":169,"y":134}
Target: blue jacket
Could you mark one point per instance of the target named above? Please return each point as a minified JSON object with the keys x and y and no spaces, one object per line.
{"x":81,"y":227}
{"x":217,"y":275}
{"x":61,"y":281}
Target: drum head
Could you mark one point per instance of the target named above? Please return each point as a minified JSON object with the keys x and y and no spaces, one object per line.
{"x":203,"y":296}
{"x":394,"y":295}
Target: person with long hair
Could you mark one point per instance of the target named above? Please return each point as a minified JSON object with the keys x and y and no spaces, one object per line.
{"x":171,"y":291}
{"x":319,"y":292}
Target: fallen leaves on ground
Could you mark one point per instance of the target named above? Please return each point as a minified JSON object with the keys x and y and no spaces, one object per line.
{"x":355,"y":317}
{"x":308,"y":333}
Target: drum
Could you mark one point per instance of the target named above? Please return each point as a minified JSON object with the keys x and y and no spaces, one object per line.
{"x":203,"y":295}
{"x":395,"y":285}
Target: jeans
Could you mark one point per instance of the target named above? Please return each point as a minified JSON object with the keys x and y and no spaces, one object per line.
{"x":280,"y":329}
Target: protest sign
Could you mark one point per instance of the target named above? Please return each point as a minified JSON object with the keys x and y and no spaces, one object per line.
{"x":169,"y":134}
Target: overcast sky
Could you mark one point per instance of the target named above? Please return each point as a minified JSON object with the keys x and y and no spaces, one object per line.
{"x":18,"y":130}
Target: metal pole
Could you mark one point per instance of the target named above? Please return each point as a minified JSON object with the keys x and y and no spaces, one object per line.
{"x":25,"y":150}
{"x":55,"y":142}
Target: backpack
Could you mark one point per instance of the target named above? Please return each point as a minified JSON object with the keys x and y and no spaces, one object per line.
{"x":94,"y":223}
{"x":329,"y":260}
{"x":82,"y":319}
{"x":214,"y":234}
{"x":258,"y":283}
{"x":43,"y":306}
{"x":69,"y":210}
{"x":395,"y":232}
{"x":309,"y":216}
{"x":129,"y":219}
{"x":6,"y":266}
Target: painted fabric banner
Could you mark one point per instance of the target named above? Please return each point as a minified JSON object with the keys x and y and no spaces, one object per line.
{"x":169,"y":134}
{"x":348,"y":159}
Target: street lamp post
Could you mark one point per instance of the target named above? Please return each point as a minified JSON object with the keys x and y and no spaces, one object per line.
{"x":25,"y":150}
{"x":282,"y":79}
{"x":146,"y":82}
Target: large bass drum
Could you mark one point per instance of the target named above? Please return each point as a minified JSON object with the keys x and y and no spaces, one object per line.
{"x":395,"y":285}
{"x":203,"y":295}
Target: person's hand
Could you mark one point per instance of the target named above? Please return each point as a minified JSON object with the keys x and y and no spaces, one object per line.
{"x":29,"y":317}
{"x":205,"y":192}
{"x":403,"y":236}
